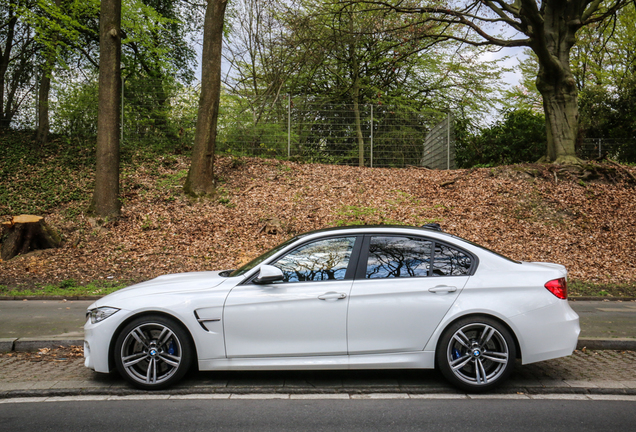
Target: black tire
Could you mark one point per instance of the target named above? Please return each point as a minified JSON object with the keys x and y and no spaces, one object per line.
{"x":476,"y":353}
{"x":153,"y":352}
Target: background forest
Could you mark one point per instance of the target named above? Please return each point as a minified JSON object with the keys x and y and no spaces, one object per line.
{"x":308,"y":81}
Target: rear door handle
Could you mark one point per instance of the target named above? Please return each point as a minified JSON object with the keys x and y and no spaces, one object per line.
{"x":443,"y":289}
{"x":332,"y":295}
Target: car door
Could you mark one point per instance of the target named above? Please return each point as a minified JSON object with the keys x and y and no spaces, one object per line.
{"x":403,"y":288}
{"x":304,"y":315}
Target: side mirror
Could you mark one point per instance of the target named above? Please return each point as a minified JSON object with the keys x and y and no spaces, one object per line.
{"x":269,"y":274}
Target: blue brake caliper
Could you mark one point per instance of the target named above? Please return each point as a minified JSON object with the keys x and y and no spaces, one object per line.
{"x":456,"y":354}
{"x":171,"y":348}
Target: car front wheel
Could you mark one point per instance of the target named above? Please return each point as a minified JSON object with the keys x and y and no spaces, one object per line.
{"x":476,"y":353}
{"x":153,"y":352}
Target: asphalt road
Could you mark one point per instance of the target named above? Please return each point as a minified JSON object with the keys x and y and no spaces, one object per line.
{"x":39,"y":318}
{"x":489,"y":415}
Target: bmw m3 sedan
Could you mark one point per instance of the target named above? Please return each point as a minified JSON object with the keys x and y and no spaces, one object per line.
{"x":363,"y":297}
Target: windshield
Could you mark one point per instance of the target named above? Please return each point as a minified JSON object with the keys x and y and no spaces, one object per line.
{"x":256,"y":261}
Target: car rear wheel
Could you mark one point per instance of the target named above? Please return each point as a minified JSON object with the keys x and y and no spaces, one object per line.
{"x":476,"y":353}
{"x":153,"y":352}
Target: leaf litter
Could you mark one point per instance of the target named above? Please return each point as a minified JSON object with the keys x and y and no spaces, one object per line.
{"x":525,"y":212}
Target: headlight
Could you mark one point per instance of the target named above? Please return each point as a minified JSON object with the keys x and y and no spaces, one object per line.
{"x":101,"y":313}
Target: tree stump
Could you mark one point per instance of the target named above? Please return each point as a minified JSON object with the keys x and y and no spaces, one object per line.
{"x":25,"y":233}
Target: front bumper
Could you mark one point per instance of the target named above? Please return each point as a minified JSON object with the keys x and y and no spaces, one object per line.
{"x":98,"y":339}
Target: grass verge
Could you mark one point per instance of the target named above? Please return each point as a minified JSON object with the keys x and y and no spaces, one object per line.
{"x":66,"y":288}
{"x":593,"y":289}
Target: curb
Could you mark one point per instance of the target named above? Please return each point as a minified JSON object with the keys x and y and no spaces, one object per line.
{"x":36,"y":344}
{"x":619,"y":344}
{"x":341,"y":391}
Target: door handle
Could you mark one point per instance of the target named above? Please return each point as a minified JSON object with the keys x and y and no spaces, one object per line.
{"x":443,"y":289}
{"x":332,"y":296}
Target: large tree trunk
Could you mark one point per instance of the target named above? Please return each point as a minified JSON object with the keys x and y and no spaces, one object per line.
{"x":105,"y":201}
{"x":200,"y":181}
{"x":554,"y":37}
{"x":560,"y":103}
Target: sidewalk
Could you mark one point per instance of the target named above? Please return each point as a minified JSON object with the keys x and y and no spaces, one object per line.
{"x":603,"y":365}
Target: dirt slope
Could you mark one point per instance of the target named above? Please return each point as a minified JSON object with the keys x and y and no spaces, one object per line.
{"x":523,"y":212}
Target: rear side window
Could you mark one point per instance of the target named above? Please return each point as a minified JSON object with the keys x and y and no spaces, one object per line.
{"x":450,"y":261}
{"x":398,"y":257}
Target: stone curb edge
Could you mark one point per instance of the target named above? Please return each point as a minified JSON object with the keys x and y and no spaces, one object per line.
{"x":34,"y":344}
{"x":275,"y":390}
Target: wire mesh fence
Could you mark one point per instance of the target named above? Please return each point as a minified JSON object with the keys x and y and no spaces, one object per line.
{"x":311,"y":130}
{"x":621,"y":150}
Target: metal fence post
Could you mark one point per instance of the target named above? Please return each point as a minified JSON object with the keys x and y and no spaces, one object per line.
{"x":371,"y":136}
{"x":600,"y":144}
{"x":448,"y":141}
{"x":289,"y":126}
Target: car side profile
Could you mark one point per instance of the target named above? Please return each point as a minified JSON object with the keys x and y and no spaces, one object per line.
{"x":364,"y":297}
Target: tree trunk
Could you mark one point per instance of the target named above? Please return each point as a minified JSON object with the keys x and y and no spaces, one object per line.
{"x":560,"y":103}
{"x":45,"y":88}
{"x":5,"y":58}
{"x":43,"y":108}
{"x":356,"y":113}
{"x":200,"y":181}
{"x":25,"y":233}
{"x":105,"y":201}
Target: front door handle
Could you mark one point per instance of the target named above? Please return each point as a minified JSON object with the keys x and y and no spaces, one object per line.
{"x":443,"y":289}
{"x":332,"y":295}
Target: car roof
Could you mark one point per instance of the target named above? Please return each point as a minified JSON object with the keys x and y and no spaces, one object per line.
{"x":372,"y":228}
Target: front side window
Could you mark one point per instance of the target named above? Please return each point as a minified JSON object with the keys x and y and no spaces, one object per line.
{"x":395,"y":257}
{"x":317,"y":261}
{"x":450,"y":262}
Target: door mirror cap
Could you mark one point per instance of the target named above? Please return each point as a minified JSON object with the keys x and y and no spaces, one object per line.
{"x":269,"y":274}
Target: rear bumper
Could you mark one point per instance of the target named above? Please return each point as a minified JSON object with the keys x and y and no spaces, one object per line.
{"x":547,"y":333}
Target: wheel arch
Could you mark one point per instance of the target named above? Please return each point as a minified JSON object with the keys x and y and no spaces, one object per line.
{"x":113,"y":340}
{"x":478,"y":315}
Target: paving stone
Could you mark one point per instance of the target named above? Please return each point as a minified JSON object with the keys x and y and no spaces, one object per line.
{"x":380,"y":396}
{"x":613,"y":397}
{"x":320,"y":396}
{"x":202,"y":396}
{"x":560,"y":396}
{"x":23,"y":400}
{"x":260,"y":396}
{"x":438,"y":396}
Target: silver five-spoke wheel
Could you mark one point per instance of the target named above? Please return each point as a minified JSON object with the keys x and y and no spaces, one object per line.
{"x":476,"y":354}
{"x":152,"y":352}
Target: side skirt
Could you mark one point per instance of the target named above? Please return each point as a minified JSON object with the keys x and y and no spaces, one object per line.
{"x":408,"y":360}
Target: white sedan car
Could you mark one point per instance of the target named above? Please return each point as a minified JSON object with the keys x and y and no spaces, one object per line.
{"x":383,"y":297}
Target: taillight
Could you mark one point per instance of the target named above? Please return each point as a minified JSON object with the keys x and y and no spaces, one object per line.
{"x":558,"y":287}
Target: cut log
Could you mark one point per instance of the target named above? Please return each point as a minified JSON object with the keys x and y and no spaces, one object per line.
{"x":25,"y":233}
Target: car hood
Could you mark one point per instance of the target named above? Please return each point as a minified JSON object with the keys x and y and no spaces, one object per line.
{"x":167,"y":284}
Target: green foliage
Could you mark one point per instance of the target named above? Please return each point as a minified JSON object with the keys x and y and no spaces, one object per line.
{"x":520,"y":137}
